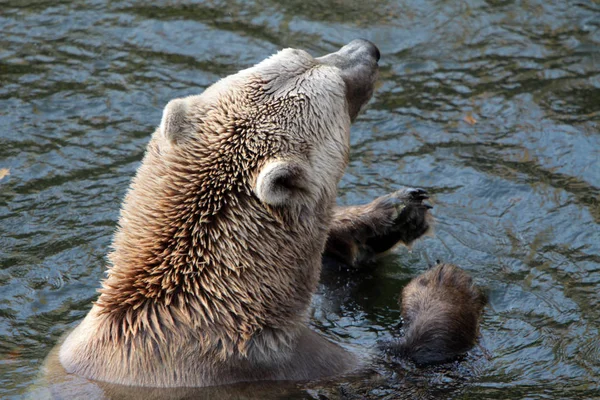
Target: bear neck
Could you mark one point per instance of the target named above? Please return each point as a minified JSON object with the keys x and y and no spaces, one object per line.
{"x":208,"y":257}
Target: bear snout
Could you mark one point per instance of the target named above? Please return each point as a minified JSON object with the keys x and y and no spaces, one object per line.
{"x":361,"y":45}
{"x":357,"y":62}
{"x":357,"y":52}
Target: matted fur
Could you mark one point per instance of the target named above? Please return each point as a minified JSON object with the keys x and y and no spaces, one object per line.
{"x":207,"y":284}
{"x":442,"y":308}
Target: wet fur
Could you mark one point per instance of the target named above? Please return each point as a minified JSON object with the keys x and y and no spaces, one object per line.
{"x":442,"y":308}
{"x":360,"y":233}
{"x":213,"y":264}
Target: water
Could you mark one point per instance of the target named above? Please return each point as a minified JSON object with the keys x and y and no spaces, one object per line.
{"x":493,"y":106}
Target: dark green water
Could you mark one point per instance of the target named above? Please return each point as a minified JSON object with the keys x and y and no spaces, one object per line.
{"x":516,"y":189}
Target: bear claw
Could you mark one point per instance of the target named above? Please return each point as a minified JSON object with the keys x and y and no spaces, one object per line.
{"x":418,"y":194}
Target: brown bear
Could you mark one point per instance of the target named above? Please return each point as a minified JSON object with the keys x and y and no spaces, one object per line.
{"x":442,"y":308}
{"x":221,"y":234}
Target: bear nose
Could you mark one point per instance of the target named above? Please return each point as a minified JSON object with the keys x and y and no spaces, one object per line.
{"x":358,"y":51}
{"x":364,"y":45}
{"x":376,"y":52}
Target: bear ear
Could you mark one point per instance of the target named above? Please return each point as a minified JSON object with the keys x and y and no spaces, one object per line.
{"x":285,"y":183}
{"x":174,"y":123}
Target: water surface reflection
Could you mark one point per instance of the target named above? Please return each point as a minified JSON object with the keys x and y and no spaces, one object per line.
{"x":490,"y":105}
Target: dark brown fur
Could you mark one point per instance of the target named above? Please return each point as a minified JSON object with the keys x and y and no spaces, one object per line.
{"x":442,"y":308}
{"x":360,"y":233}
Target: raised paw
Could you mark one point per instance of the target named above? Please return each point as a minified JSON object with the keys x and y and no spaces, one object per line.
{"x":409,"y":219}
{"x":416,"y":194}
{"x":360,"y":233}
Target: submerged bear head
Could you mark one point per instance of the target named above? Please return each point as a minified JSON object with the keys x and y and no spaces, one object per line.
{"x":223,"y":227}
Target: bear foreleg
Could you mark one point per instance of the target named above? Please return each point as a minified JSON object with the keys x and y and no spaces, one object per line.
{"x":360,"y":233}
